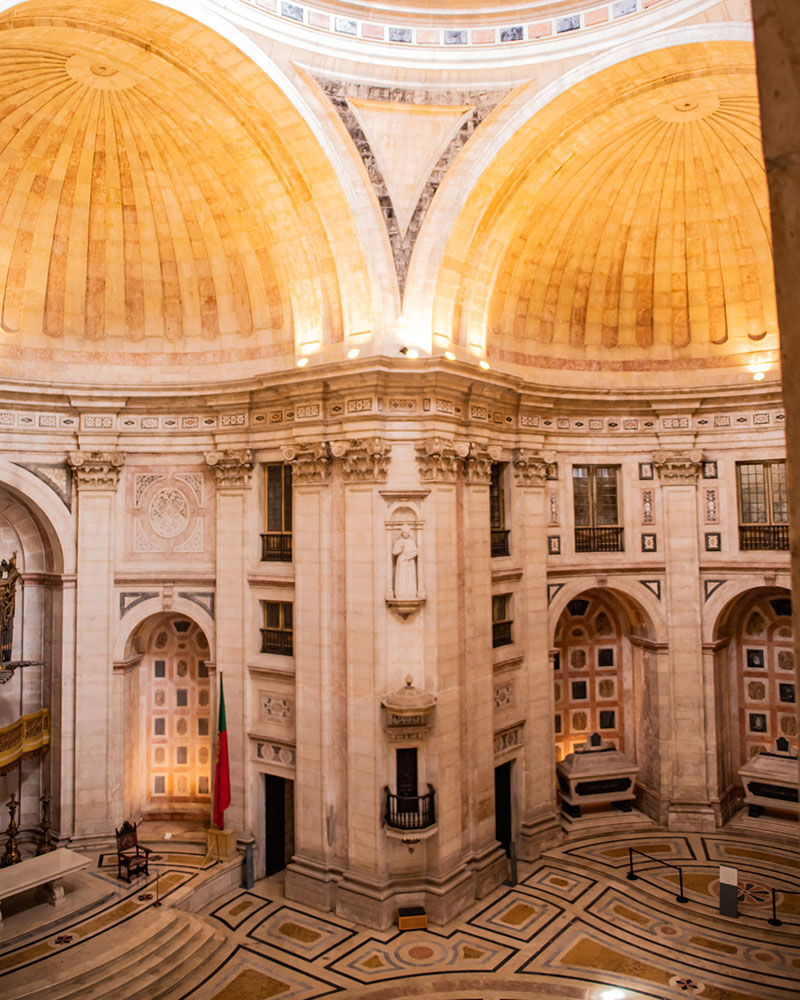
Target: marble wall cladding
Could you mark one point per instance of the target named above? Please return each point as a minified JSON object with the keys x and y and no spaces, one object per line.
{"x":170,"y":513}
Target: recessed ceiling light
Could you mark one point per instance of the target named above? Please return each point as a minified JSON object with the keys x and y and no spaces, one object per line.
{"x":759,"y":377}
{"x":302,"y":362}
{"x":354,"y":352}
{"x":450,"y":356}
{"x":484,"y":364}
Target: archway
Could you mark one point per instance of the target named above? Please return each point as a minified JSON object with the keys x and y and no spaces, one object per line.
{"x":756,"y":690}
{"x":167,"y":742}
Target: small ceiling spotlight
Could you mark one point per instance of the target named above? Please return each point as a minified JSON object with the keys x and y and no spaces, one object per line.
{"x":353,"y":353}
{"x":302,"y":362}
{"x":759,"y":376}
{"x":450,"y":356}
{"x":612,"y":995}
{"x":484,"y":365}
{"x":409,"y":352}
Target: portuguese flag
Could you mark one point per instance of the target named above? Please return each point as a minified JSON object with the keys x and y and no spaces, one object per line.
{"x":222,"y":774}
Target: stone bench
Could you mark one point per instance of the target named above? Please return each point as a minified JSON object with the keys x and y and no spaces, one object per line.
{"x":44,"y":872}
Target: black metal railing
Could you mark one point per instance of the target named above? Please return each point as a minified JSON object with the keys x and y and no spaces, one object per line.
{"x":599,"y":540}
{"x":410,"y":812}
{"x":277,"y":640}
{"x":632,"y":876}
{"x":499,"y":542}
{"x":276,"y":547}
{"x":764,"y":536}
{"x":786,"y":892}
{"x":501,"y":634}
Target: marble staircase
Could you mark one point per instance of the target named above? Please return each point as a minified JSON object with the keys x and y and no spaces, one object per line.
{"x":145,"y":958}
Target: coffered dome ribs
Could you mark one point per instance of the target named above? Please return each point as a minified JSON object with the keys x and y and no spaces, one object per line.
{"x":161,"y":195}
{"x":636,"y":228}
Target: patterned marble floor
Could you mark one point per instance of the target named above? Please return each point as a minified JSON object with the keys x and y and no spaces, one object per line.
{"x":574,"y":927}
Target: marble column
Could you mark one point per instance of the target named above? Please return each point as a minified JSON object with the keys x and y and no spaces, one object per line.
{"x":689,"y":806}
{"x":231,"y":470}
{"x":97,"y":747}
{"x":540,"y":825}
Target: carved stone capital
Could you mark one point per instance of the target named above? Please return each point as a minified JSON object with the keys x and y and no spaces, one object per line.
{"x":311,"y":463}
{"x":478,"y":466}
{"x":96,"y":470}
{"x":231,"y":467}
{"x":531,"y":468}
{"x":364,"y":459}
{"x":678,"y":468}
{"x":441,"y":459}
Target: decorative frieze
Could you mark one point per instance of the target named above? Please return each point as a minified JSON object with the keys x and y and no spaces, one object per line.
{"x":478,"y":466}
{"x":311,"y":463}
{"x":532,"y":468}
{"x":96,"y":470}
{"x":363,"y":459}
{"x":678,"y":468}
{"x":231,"y":467}
{"x":441,"y":459}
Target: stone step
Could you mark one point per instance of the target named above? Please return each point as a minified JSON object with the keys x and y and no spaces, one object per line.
{"x":143,"y":959}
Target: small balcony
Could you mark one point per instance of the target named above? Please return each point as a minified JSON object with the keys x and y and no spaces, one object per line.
{"x":499,"y":542}
{"x":599,"y":540}
{"x":410,"y":812}
{"x":764,"y":536}
{"x":277,"y":640}
{"x":501,"y":634}
{"x":276,"y":547}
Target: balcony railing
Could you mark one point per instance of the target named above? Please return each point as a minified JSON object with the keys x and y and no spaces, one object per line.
{"x":764,"y":536}
{"x":599,"y":540}
{"x":276,"y":547}
{"x":501,"y":634}
{"x":277,"y":640}
{"x":499,"y":542}
{"x":410,"y":812}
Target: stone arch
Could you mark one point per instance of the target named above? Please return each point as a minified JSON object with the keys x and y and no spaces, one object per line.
{"x":639,"y":604}
{"x":166,"y":704}
{"x":754,"y":676}
{"x":131,"y":626}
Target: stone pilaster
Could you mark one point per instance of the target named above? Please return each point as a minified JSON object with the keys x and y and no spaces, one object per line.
{"x":97,"y":748}
{"x":689,"y":807}
{"x":321,"y":790}
{"x":538,"y":809}
{"x":231,"y":469}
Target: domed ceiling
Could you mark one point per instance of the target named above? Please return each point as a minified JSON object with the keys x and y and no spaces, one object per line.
{"x":145,"y":211}
{"x":464,"y":11}
{"x":630,"y":223}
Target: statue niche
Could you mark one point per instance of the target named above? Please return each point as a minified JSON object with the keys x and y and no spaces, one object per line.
{"x":404,"y":592}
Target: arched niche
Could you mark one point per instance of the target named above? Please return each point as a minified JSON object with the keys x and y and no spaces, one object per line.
{"x":606,"y":646}
{"x":167,"y":719}
{"x":755,"y":682}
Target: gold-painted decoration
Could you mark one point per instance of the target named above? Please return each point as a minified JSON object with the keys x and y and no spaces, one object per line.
{"x":29,"y":736}
{"x":8,"y":593}
{"x":11,"y":855}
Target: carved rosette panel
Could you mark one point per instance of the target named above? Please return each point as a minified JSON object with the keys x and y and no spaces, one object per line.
{"x":678,"y":468}
{"x":478,"y":466}
{"x":531,"y":468}
{"x":363,"y":459}
{"x":311,"y":463}
{"x":231,"y":468}
{"x":168,"y":512}
{"x":96,"y":470}
{"x":441,"y":459}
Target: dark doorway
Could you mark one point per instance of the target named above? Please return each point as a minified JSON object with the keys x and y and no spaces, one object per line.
{"x":279,"y":807}
{"x":502,"y":805}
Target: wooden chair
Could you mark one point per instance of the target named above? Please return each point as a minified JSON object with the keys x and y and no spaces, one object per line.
{"x":131,"y":855}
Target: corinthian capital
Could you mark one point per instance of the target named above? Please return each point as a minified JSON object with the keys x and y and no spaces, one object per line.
{"x":311,"y":463}
{"x":531,"y":468}
{"x":479,"y":461}
{"x":676,"y":468}
{"x":441,"y":459}
{"x":231,"y":467}
{"x":96,"y":470}
{"x":365,"y":459}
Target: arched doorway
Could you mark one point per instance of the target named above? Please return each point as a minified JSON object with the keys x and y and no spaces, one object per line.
{"x":168,"y":753}
{"x":756,"y":690}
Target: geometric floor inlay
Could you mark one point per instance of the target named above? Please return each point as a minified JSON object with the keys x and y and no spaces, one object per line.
{"x":295,"y":932}
{"x":516,"y":916}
